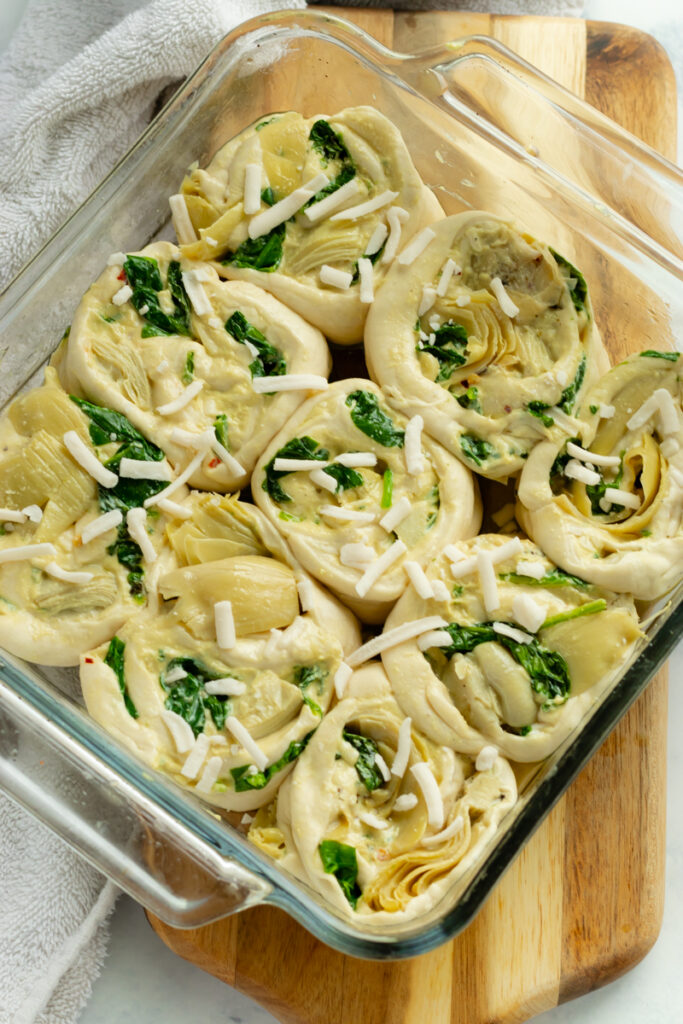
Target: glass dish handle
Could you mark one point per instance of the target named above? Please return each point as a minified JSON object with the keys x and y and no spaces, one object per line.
{"x":138,"y":844}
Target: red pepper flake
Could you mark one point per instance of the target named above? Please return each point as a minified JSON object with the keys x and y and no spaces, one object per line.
{"x":507,"y":408}
{"x":89,"y":661}
{"x":214,"y":462}
{"x":121,"y":276}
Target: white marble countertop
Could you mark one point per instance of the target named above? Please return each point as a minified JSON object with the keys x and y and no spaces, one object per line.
{"x":143,"y":982}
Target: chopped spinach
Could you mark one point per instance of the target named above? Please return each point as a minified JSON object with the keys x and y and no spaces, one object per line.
{"x":129,"y":554}
{"x":340,"y":860}
{"x":593,"y":409}
{"x":345,"y":476}
{"x":258,"y":780}
{"x":652,"y":353}
{"x":269,"y":362}
{"x":263,"y":124}
{"x":578,"y":290}
{"x":568,"y":398}
{"x":188,"y":697}
{"x":297,"y":448}
{"x":387,"y":488}
{"x":144,"y":277}
{"x":554,"y":578}
{"x":268,"y":196}
{"x":538,"y":409}
{"x":476,"y":448}
{"x":366,"y":765}
{"x":371,"y":420}
{"x":328,"y":143}
{"x":469,"y":399}
{"x":584,"y":609}
{"x":263,"y":253}
{"x":114,"y":659}
{"x":559,"y":464}
{"x":305,"y":676}
{"x":188,"y":372}
{"x":449,"y":348}
{"x":220,"y":429}
{"x":546,"y":669}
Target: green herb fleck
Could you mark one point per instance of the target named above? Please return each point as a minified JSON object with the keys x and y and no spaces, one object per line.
{"x":188,"y":372}
{"x":538,"y":409}
{"x":593,"y":408}
{"x":584,"y":609}
{"x":220,"y":429}
{"x":553,"y":578}
{"x":568,"y":398}
{"x":387,"y":488}
{"x":652,"y":353}
{"x":469,"y":399}
{"x":477,"y":449}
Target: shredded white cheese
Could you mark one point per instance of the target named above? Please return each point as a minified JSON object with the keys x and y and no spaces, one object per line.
{"x":377,"y":569}
{"x":225,"y":625}
{"x":335,"y":277}
{"x":450,"y":267}
{"x":33,"y":512}
{"x":416,"y":247}
{"x":405,"y":802}
{"x":487,"y":580}
{"x":180,"y":730}
{"x":191,"y":467}
{"x":196,"y":294}
{"x":251,"y":203}
{"x":451,"y":830}
{"x":322,"y":479}
{"x":597,"y":460}
{"x":175,"y":511}
{"x":566,"y":423}
{"x":383,"y":768}
{"x":122,"y":295}
{"x":394,"y":637}
{"x":430,"y":790}
{"x":136,"y":521}
{"x":348,"y":515}
{"x":326,"y":206}
{"x":183,"y":399}
{"x":280,"y":212}
{"x":642,"y":415}
{"x":529,"y":613}
{"x":435,"y":638}
{"x":413,"y":445}
{"x":365,"y":274}
{"x":372,"y":820}
{"x":363,"y":209}
{"x":440,"y":590}
{"x":402,"y":755}
{"x":298,"y":465}
{"x":242,"y":736}
{"x":142,"y":469}
{"x":195,"y":758}
{"x":290,"y":382}
{"x":395,"y":216}
{"x":575,"y":470}
{"x":615,"y":496}
{"x":357,"y":556}
{"x":428,"y":299}
{"x":225,"y":687}
{"x":668,"y":448}
{"x":11,"y":515}
{"x":535,"y":570}
{"x":668,"y":415}
{"x":605,"y":412}
{"x":341,"y":679}
{"x":88,"y":460}
{"x":356,"y":460}
{"x":417,"y":577}
{"x":52,"y":569}
{"x":515,"y":634}
{"x":504,"y":300}
{"x":117,"y":259}
{"x":396,"y":514}
{"x":465,"y":567}
{"x":175,"y":675}
{"x":182,"y":222}
{"x":102,"y":524}
{"x":304,"y":588}
{"x":486,"y":758}
{"x":210,"y":774}
{"x":376,"y":240}
{"x":24,"y":551}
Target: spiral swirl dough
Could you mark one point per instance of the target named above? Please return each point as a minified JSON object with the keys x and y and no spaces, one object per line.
{"x":73,"y":592}
{"x":437,"y":501}
{"x":276,"y":677}
{"x":490,"y":337}
{"x":216,"y":340}
{"x":524,"y":689}
{"x":405,"y":860}
{"x":358,"y":149}
{"x":622,"y":529}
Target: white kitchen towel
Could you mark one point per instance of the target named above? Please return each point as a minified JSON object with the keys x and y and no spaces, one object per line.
{"x":566,"y":8}
{"x":78,"y":84}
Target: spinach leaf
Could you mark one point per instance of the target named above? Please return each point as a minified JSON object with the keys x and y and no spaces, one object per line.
{"x":188,"y":372}
{"x":269,"y":362}
{"x":546,"y":669}
{"x":220,"y":429}
{"x":596,"y":492}
{"x":297,"y":448}
{"x":188,"y":698}
{"x":584,"y":609}
{"x":129,"y":554}
{"x":672,"y":357}
{"x":568,"y":398}
{"x":387,"y":489}
{"x":328,"y":143}
{"x":305,"y":676}
{"x":144,"y":277}
{"x":345,"y":476}
{"x":554,"y":578}
{"x":476,"y":448}
{"x":369,"y":418}
{"x":263,"y":253}
{"x":449,"y":348}
{"x":268,"y":196}
{"x":538,"y":409}
{"x":107,"y":425}
{"x":258,"y":780}
{"x":366,"y":765}
{"x":114,"y":659}
{"x":469,"y":399}
{"x":579,"y":290}
{"x":340,"y":860}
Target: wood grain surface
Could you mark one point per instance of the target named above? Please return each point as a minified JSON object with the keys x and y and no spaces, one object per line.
{"x":583,"y":901}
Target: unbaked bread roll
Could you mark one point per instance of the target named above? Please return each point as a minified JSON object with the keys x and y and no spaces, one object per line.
{"x":226,"y":715}
{"x":364,"y":485}
{"x":525,"y":650}
{"x":180,"y":352}
{"x":313,"y":257}
{"x":489,"y":336}
{"x":613,"y":514}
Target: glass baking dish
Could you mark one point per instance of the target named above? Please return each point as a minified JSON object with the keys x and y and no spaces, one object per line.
{"x":486,"y":131}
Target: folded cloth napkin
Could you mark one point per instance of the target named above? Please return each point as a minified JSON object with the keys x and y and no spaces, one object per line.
{"x":78,"y":84}
{"x":566,"y":8}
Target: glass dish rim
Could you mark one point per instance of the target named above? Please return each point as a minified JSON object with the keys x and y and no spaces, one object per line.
{"x":73,"y":722}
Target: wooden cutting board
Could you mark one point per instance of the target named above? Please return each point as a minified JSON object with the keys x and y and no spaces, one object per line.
{"x":582,"y":904}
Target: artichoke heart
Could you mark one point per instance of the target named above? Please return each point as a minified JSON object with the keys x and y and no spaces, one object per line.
{"x":219,"y":528}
